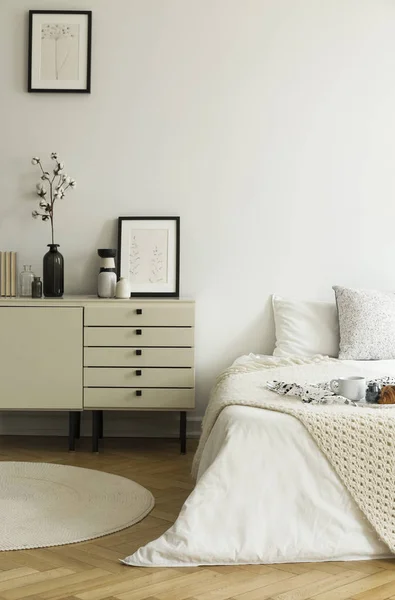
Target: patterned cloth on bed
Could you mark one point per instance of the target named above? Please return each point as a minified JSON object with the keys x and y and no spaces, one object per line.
{"x":320,"y":393}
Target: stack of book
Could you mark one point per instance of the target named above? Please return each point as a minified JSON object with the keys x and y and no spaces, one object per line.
{"x":8,"y":275}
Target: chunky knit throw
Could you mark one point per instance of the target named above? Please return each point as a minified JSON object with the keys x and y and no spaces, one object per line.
{"x":359,"y":444}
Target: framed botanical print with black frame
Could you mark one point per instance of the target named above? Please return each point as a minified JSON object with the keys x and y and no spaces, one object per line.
{"x":149,"y":255}
{"x":60,"y":43}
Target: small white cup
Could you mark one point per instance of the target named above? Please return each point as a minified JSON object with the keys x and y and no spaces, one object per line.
{"x":353,"y":388}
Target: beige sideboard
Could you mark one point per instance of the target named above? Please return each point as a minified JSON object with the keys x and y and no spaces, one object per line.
{"x":85,"y":353}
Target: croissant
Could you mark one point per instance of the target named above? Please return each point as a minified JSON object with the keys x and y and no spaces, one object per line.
{"x":387,"y":395}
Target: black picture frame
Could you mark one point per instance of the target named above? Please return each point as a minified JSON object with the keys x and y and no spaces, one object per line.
{"x":175,"y":293}
{"x":87,"y":88}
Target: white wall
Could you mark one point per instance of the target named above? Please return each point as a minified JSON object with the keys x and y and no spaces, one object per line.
{"x":267,"y":125}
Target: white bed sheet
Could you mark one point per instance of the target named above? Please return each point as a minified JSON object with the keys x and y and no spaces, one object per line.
{"x":265,"y":494}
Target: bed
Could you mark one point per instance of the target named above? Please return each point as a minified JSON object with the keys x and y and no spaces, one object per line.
{"x":265,"y":492}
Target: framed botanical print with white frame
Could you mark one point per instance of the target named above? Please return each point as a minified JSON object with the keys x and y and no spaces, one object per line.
{"x":60,"y":44}
{"x":149,"y":255}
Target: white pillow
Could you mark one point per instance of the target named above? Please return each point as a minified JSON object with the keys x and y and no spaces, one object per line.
{"x":305,"y":328}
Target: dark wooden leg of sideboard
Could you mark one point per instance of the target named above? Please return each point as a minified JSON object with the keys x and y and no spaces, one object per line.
{"x":72,"y":431}
{"x":78,"y":425}
{"x":95,"y":430}
{"x":183,"y":432}
{"x":101,"y":424}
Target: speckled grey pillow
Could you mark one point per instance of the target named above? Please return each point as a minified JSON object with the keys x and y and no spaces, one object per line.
{"x":366,"y":323}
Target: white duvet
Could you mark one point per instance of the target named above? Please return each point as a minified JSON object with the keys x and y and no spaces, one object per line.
{"x":265,"y":494}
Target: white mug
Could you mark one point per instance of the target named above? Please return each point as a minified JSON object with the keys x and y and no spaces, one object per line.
{"x":353,"y":388}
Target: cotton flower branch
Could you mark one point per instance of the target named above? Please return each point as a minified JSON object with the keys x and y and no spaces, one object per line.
{"x":50,"y":189}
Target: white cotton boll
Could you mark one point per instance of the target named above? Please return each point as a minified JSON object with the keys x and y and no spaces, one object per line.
{"x":43,"y":204}
{"x":35,"y":214}
{"x":35,"y":160}
{"x":73,"y":183}
{"x":54,"y":156}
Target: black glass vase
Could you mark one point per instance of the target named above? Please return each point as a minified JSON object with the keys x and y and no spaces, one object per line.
{"x":53,"y":271}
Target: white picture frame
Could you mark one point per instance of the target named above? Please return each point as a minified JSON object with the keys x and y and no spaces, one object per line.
{"x":59,"y":51}
{"x":149,"y":255}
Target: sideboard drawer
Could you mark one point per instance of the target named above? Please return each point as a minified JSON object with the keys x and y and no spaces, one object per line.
{"x":139,"y":336}
{"x":166,"y":314}
{"x":139,"y":357}
{"x":121,"y":398}
{"x":154,"y":378}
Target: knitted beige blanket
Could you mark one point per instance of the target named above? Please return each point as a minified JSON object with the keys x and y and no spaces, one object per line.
{"x":358,"y":442}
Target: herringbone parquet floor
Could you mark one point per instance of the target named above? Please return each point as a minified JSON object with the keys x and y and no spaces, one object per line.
{"x":91,"y":571}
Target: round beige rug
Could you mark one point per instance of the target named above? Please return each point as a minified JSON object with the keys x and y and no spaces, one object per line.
{"x":45,"y":504}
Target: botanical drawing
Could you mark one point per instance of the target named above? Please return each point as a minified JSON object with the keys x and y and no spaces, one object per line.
{"x":134,"y":258}
{"x":148,"y":255}
{"x":59,"y":51}
{"x":156,"y":265}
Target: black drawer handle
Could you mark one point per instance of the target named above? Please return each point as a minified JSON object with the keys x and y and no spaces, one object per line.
{"x":139,"y":393}
{"x":139,"y":311}
{"x":139,"y":352}
{"x":138,"y":332}
{"x":138,"y":372}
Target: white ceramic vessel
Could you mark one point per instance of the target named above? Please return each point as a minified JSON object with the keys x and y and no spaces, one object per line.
{"x":106,"y":283}
{"x":122,"y":289}
{"x":107,"y":278}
